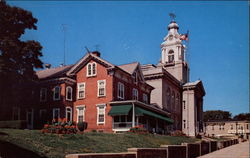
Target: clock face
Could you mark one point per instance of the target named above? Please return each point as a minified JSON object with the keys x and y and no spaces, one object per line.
{"x":170,"y":37}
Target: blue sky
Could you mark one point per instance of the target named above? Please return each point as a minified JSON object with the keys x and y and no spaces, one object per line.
{"x":131,"y":31}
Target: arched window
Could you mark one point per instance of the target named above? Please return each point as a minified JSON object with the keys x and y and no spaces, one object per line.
{"x":177,"y":102}
{"x":91,"y":69}
{"x":173,"y":101}
{"x":69,"y":93}
{"x":68,"y":113}
{"x":57,"y":91}
{"x":169,"y":98}
{"x":171,"y":56}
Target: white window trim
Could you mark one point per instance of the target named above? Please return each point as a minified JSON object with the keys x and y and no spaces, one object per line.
{"x":41,"y":90}
{"x":98,"y":106}
{"x":91,"y":69}
{"x":55,"y":93}
{"x":120,"y":88}
{"x":54,"y":111}
{"x":100,"y":87}
{"x":70,"y":119}
{"x":77,"y":112}
{"x":78,"y":90}
{"x":94,"y":74}
{"x":67,"y":88}
{"x":135,"y":91}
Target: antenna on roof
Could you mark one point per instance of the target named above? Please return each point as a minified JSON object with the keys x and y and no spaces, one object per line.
{"x":172,"y":16}
{"x":87,"y":49}
{"x":97,"y":46}
{"x":64,"y":28}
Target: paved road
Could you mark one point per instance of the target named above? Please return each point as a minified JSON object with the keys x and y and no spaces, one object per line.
{"x":235,"y":151}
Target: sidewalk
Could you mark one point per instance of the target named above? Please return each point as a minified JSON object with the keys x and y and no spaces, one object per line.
{"x":235,"y":151}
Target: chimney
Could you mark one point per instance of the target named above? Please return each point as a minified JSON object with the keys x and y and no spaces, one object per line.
{"x":47,"y":66}
{"x":96,"y":53}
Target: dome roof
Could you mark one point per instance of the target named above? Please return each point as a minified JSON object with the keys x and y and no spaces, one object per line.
{"x":172,"y":25}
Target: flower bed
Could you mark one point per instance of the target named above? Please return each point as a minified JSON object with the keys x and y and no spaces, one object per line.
{"x":60,"y":126}
{"x":138,"y":129}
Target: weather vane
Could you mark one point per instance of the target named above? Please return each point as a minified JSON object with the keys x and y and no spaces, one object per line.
{"x":172,"y":16}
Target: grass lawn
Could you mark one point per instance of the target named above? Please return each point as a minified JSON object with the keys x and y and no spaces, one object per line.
{"x":53,"y":145}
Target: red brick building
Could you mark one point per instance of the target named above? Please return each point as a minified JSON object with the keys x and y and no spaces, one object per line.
{"x":109,"y":98}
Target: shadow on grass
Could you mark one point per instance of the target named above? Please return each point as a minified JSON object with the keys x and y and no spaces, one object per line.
{"x":9,"y":150}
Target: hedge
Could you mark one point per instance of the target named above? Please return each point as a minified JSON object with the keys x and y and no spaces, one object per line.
{"x":17,"y":124}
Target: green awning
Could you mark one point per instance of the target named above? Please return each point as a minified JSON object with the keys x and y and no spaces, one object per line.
{"x":120,"y":110}
{"x":140,"y":111}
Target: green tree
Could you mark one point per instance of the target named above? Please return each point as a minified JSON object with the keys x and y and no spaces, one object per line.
{"x":18,"y":58}
{"x":216,"y":115}
{"x":242,"y":116}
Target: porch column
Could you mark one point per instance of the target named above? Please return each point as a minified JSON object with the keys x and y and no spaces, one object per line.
{"x":133,"y":115}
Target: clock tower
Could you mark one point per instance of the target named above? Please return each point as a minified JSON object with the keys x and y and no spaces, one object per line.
{"x":173,"y":54}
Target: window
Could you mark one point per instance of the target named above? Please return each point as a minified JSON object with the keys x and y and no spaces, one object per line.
{"x":145,"y":98}
{"x":42,"y":114}
{"x":212,"y":127}
{"x":177,"y":101}
{"x":91,"y":69}
{"x":101,"y":88}
{"x":135,"y":94}
{"x":56,"y":113}
{"x":101,"y":113}
{"x":171,"y":56}
{"x":69,"y":93}
{"x":173,"y":100}
{"x":184,"y":105}
{"x":57,"y":91}
{"x":81,"y":90}
{"x":16,"y":113}
{"x":120,"y":92}
{"x":43,"y":94}
{"x":169,"y":98}
{"x":184,"y":123}
{"x":135,"y":76}
{"x":69,"y":113}
{"x":247,"y":126}
{"x":232,"y":127}
{"x":80,"y":113}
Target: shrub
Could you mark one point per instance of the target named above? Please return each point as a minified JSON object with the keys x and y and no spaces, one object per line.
{"x":17,"y":124}
{"x":177,"y":133}
{"x":82,"y":126}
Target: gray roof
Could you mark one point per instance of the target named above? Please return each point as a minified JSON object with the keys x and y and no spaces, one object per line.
{"x":53,"y":72}
{"x":192,"y":83}
{"x":130,"y":68}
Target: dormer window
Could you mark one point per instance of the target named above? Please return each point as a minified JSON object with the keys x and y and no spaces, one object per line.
{"x":135,"y":76}
{"x":91,"y":69}
{"x":171,"y":56}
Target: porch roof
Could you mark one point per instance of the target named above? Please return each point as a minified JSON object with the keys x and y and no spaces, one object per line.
{"x":120,"y":110}
{"x":140,"y":111}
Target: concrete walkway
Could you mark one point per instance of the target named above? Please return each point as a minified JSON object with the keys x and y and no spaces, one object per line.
{"x":235,"y":151}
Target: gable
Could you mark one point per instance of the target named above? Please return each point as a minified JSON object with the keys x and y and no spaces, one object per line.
{"x":85,"y":60}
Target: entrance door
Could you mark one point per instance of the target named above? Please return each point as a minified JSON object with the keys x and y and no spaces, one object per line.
{"x":30,"y":118}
